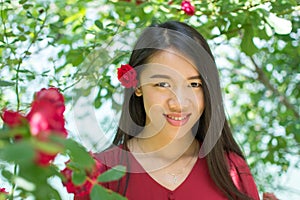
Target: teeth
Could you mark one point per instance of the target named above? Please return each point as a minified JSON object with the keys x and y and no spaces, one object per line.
{"x":177,"y":118}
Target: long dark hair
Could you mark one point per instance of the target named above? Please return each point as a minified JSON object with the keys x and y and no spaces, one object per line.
{"x":212,"y":130}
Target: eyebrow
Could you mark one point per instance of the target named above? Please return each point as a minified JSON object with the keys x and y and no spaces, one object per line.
{"x":194,"y":77}
{"x":168,"y":77}
{"x":160,"y":76}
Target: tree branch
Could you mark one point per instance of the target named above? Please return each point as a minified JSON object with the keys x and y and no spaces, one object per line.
{"x":264,"y":80}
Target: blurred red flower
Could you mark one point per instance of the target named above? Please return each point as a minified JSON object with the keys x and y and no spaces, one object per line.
{"x":51,"y":95}
{"x":187,"y":7}
{"x":45,"y":118}
{"x":3,"y":190}
{"x":12,"y":119}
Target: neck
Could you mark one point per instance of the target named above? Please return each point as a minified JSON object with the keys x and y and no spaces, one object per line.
{"x":161,"y":146}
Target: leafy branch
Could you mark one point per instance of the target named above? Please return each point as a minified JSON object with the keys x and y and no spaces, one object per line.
{"x":266,"y":82}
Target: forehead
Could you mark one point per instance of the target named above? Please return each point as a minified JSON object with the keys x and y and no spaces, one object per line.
{"x":171,"y":63}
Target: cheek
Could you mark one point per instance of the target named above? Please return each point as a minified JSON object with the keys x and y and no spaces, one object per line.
{"x":152,"y":97}
{"x":200,"y":102}
{"x":153,"y":102}
{"x":154,"y":111}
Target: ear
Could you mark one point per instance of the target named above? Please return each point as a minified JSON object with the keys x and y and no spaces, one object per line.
{"x":138,"y":91}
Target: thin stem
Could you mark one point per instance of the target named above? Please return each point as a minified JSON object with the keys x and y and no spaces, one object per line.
{"x":3,"y":22}
{"x":24,"y":56}
{"x":13,"y":184}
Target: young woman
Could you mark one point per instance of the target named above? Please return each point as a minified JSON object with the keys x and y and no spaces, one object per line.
{"x":173,"y":136}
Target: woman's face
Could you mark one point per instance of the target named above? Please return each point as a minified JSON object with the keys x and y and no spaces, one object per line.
{"x":172,"y":93}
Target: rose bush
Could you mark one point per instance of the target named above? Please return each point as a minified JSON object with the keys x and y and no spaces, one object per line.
{"x":44,"y":119}
{"x":33,"y":141}
{"x":89,"y":186}
{"x":82,"y":189}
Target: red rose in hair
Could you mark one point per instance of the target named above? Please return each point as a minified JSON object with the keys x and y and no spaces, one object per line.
{"x":187,"y":7}
{"x":127,"y":76}
{"x":12,"y":119}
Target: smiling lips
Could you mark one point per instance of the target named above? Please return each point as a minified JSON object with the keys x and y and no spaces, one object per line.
{"x":177,"y":119}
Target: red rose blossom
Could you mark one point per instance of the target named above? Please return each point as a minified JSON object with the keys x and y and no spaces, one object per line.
{"x":43,"y":159}
{"x":3,"y":191}
{"x":51,"y":95}
{"x":12,"y":119}
{"x":187,"y":7}
{"x":127,"y":76}
{"x":46,"y":118}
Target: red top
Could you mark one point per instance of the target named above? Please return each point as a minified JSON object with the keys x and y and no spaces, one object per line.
{"x":197,"y":185}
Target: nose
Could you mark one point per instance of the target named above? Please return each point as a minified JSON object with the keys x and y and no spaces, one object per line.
{"x":179,"y":100}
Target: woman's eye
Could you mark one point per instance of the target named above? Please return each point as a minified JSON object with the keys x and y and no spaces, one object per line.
{"x":195,"y":85}
{"x":163,"y":84}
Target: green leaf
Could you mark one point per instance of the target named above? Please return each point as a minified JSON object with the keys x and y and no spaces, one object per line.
{"x":29,"y":15}
{"x":113,"y":174}
{"x":78,"y":177}
{"x":99,"y":192}
{"x":25,"y":71}
{"x":27,"y":6}
{"x":99,"y":24}
{"x":247,"y":44}
{"x":6,"y":83}
{"x":22,"y":1}
{"x":20,"y":28}
{"x":22,"y":38}
{"x":48,"y":147}
{"x":7,"y":174}
{"x":78,"y":154}
{"x":297,"y":137}
{"x":18,"y":152}
{"x":4,"y":14}
{"x":75,"y":57}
